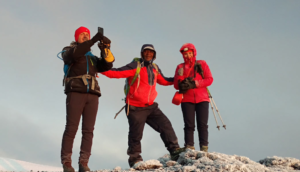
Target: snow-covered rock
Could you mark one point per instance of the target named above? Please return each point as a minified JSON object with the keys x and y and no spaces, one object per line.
{"x":198,"y":161}
{"x":150,"y":164}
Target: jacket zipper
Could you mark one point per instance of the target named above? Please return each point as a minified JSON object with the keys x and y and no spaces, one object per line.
{"x":149,"y":94}
{"x":151,"y":82}
{"x":194,"y":90}
{"x":87,"y":72}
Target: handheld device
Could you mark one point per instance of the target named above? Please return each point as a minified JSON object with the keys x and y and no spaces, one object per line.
{"x":100,"y":29}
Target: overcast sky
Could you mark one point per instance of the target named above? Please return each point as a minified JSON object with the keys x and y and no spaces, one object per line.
{"x":251,"y":47}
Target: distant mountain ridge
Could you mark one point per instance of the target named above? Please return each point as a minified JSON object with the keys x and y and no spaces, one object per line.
{"x":7,"y":164}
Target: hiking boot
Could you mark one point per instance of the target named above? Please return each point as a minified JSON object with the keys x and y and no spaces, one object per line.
{"x":189,"y":147}
{"x":83,"y":167}
{"x":204,"y":148}
{"x":175,"y":154}
{"x":67,"y":166}
{"x":132,"y":164}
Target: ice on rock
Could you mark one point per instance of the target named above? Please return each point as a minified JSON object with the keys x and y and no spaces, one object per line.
{"x":117,"y":169}
{"x":150,"y":164}
{"x":171,"y":163}
{"x":281,"y":163}
{"x":198,"y":161}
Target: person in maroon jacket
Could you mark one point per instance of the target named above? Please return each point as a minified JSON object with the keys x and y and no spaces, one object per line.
{"x":189,"y":81}
{"x":83,"y":92}
{"x":142,"y":108}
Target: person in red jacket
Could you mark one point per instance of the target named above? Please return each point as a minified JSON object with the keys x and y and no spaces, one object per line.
{"x":142,"y":108}
{"x":188,"y":80}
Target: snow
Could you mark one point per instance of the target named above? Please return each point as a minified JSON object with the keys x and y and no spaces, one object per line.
{"x":7,"y":164}
{"x":198,"y":161}
{"x":190,"y":160}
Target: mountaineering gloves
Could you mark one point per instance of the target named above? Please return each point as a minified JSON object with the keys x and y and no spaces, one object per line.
{"x":104,"y":46}
{"x":183,"y":87}
{"x":98,"y":37}
{"x":186,"y":84}
{"x":190,"y":82}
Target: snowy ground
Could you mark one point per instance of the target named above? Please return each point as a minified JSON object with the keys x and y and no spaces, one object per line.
{"x":199,"y":161}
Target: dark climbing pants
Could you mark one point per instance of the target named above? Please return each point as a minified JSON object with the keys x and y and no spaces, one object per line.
{"x":188,"y":110}
{"x":85,"y":105}
{"x":155,"y":118}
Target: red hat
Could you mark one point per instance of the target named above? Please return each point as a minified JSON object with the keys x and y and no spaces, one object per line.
{"x":80,"y":30}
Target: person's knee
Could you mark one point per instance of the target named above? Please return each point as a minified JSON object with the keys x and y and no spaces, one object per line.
{"x":189,"y":127}
{"x":202,"y":127}
{"x":71,"y":130}
{"x":87,"y":130}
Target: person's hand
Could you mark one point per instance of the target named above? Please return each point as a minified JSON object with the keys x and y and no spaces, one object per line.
{"x":105,"y":40}
{"x":190,"y":82}
{"x":183,"y":86}
{"x":105,"y":43}
{"x":98,"y":37}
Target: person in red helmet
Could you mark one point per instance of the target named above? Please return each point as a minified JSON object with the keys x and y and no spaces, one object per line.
{"x":191,"y":79}
{"x":83,"y":92}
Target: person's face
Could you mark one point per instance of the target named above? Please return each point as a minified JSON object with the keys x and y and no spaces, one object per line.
{"x":84,"y":36}
{"x":189,"y":54}
{"x":148,"y":55}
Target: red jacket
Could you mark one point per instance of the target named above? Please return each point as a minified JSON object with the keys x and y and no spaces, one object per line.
{"x":198,"y":94}
{"x":144,"y":94}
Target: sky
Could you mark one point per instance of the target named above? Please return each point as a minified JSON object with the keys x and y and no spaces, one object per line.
{"x":251,"y":47}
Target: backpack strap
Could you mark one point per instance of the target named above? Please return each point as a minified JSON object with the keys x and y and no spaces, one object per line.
{"x":156,"y":68}
{"x":136,"y":76}
{"x":198,"y":68}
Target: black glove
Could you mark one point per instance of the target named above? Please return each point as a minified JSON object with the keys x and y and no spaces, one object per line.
{"x":105,"y":43}
{"x":105,"y":40}
{"x":98,"y":37}
{"x":190,"y":82}
{"x":183,"y":86}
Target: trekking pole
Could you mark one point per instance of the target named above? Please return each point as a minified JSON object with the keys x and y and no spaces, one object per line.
{"x":212,"y":102}
{"x":212,"y":108}
{"x":119,"y":112}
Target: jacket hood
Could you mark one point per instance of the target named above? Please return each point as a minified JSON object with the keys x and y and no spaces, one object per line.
{"x":148,"y":47}
{"x":188,"y":46}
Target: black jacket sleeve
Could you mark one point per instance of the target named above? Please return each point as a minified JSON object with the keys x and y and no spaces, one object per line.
{"x":169,"y":79}
{"x":74,"y":52}
{"x":103,"y":65}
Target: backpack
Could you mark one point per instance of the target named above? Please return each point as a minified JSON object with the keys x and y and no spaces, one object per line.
{"x":67,"y":67}
{"x":136,"y":76}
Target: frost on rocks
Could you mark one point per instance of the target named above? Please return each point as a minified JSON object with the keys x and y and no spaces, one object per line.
{"x":150,"y":164}
{"x":117,"y":169}
{"x":198,"y":161}
{"x":193,"y":160}
{"x":279,"y":163}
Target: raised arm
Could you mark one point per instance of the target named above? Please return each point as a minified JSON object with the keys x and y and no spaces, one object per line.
{"x":76,"y":51}
{"x":122,"y":72}
{"x":162,"y":80}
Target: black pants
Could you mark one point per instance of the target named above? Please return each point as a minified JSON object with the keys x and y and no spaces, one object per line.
{"x":85,"y":105}
{"x":188,"y":110}
{"x":155,"y":118}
